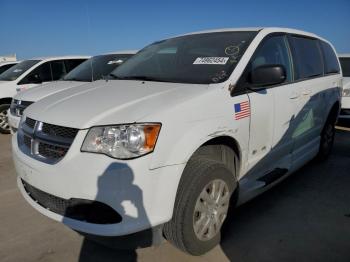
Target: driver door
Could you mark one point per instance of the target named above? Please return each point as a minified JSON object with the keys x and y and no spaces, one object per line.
{"x":272,"y":112}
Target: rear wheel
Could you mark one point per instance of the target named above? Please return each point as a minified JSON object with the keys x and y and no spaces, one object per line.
{"x":4,"y":125}
{"x":201,"y":205}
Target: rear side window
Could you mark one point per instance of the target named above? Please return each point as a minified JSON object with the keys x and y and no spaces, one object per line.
{"x":331,"y":65}
{"x":73,"y":63}
{"x":58,"y":69}
{"x":307,"y":57}
{"x":345,"y":65}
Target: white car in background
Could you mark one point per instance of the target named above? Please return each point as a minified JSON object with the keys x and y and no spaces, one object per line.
{"x":30,"y":73}
{"x":345,"y":64}
{"x":7,"y":65}
{"x":93,"y":69}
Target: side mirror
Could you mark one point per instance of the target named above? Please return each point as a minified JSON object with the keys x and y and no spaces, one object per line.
{"x":267,"y":75}
{"x":34,"y":79}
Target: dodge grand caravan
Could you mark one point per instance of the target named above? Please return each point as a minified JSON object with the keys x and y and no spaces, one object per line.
{"x":30,"y":73}
{"x":183,"y":130}
{"x":345,"y":64}
{"x":92,"y":69}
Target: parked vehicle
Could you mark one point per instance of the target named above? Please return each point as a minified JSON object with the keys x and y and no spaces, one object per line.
{"x":345,"y":107}
{"x":28,"y":74}
{"x":6,"y":65}
{"x":187,"y":128}
{"x":91,"y":70}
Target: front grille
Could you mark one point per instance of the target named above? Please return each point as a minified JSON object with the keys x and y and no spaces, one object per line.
{"x":30,"y":122}
{"x":53,"y":203}
{"x":18,"y":106}
{"x":52,"y":151}
{"x":27,"y":141}
{"x":59,"y":131}
{"x":45,"y":142}
{"x":79,"y":209}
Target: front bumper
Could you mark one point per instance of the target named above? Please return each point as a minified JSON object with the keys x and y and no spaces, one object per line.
{"x":144,"y":198}
{"x":13,"y":121}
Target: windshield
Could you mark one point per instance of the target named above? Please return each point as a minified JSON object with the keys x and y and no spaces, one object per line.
{"x":197,"y":59}
{"x":3,"y":68}
{"x":96,"y":67}
{"x":17,"y":70}
{"x":345,"y":66}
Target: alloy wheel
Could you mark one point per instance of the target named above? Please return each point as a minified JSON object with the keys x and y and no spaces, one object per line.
{"x":4,"y":125}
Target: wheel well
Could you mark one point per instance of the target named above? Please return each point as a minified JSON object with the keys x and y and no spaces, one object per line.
{"x":216,"y":145}
{"x":226,"y":141}
{"x":6,"y":100}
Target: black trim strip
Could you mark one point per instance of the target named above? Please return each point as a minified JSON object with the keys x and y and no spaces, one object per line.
{"x":273,"y":176}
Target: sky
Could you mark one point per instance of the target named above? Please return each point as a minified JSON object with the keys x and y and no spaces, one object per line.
{"x":89,"y":27}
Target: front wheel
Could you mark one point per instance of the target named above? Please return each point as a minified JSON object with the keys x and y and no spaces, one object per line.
{"x":201,"y":206}
{"x":4,"y":125}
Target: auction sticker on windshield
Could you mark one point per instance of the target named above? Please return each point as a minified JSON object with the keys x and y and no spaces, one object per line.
{"x":210,"y":61}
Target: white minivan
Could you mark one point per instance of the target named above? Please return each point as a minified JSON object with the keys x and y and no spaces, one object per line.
{"x":93,"y":69}
{"x":30,"y":73}
{"x":345,"y":107}
{"x":188,"y":127}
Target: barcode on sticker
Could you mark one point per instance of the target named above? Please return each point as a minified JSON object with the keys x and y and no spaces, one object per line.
{"x":210,"y":61}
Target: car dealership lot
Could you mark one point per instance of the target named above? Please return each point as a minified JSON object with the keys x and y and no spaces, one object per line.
{"x":306,"y":218}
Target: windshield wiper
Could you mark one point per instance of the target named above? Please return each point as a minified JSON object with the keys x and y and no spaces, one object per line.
{"x":141,"y":78}
{"x":74,"y":79}
{"x":113,"y":76}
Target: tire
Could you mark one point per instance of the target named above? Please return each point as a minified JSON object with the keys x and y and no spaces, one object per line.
{"x":198,"y":180}
{"x":4,"y":125}
{"x":327,"y":138}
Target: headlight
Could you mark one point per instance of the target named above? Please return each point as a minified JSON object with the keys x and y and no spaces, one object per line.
{"x":122,"y":141}
{"x":346,"y":92}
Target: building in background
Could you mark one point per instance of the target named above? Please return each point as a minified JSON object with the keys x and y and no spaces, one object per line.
{"x":8,"y":58}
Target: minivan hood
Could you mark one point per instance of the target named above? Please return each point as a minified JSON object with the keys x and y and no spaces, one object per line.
{"x":39,"y":92}
{"x":110,"y":102}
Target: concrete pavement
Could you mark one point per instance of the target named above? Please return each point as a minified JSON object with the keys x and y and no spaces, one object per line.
{"x":305,"y":218}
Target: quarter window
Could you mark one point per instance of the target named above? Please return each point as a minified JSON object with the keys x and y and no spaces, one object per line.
{"x":307,"y":57}
{"x":331,"y":65}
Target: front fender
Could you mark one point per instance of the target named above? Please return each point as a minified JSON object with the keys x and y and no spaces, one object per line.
{"x":177,"y":147}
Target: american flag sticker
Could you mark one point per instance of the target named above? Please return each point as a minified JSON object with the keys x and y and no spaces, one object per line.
{"x":242,"y":110}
